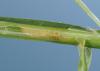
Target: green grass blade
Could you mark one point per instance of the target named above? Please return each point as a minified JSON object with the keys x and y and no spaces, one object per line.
{"x":88,"y":12}
{"x":85,"y":55}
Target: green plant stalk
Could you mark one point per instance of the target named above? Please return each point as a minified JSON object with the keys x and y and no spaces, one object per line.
{"x":47,"y":31}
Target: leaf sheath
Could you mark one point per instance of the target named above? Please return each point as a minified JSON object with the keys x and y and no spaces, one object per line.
{"x":47,"y":31}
